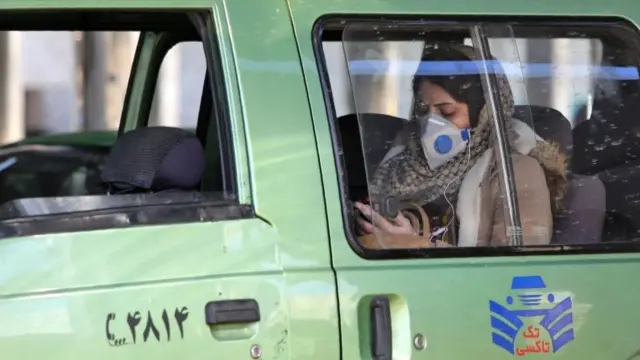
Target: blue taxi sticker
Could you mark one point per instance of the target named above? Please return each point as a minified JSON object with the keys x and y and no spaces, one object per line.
{"x":532,"y":320}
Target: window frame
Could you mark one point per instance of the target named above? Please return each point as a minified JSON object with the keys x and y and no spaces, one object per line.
{"x":331,"y":26}
{"x":213,"y":108}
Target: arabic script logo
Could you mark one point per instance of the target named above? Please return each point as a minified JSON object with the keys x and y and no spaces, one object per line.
{"x":533,"y":320}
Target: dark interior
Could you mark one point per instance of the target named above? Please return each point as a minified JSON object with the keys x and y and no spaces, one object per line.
{"x":99,"y":20}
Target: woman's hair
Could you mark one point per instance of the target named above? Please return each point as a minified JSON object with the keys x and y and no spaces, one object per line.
{"x":463,"y":88}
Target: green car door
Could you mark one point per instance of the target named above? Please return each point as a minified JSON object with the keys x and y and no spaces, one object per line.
{"x":523,"y":290}
{"x":220,"y":273}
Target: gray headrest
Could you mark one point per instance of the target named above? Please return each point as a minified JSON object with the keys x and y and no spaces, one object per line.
{"x":154,"y":159}
{"x":548,"y":123}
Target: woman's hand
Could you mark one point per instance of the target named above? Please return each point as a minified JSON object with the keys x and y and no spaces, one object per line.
{"x":375,"y":222}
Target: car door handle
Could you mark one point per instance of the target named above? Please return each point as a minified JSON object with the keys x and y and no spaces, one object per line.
{"x":380,"y":328}
{"x":239,"y":311}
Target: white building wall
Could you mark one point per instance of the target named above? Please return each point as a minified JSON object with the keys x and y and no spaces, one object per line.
{"x":49,"y":66}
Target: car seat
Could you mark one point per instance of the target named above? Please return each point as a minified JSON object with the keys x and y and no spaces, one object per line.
{"x":608,"y":143}
{"x":154,"y":159}
{"x":582,"y":218}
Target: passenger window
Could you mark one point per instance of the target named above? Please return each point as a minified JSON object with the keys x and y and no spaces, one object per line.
{"x":91,"y":168}
{"x":485,"y":135}
{"x":580,"y":92}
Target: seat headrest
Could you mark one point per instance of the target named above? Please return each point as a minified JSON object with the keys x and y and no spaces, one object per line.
{"x":154,"y":159}
{"x":548,"y":123}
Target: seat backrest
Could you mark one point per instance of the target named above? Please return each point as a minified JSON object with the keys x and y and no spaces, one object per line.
{"x":380,"y":131}
{"x":154,"y":159}
{"x":608,"y":138}
{"x":582,"y":218}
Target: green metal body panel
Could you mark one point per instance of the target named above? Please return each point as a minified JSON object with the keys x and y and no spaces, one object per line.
{"x":59,"y":287}
{"x":58,"y":291}
{"x":447,"y":300}
{"x":63,"y":295}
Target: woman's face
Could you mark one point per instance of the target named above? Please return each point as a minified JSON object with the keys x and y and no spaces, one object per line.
{"x":434,"y":99}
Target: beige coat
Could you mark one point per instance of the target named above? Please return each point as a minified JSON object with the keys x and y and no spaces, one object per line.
{"x":539,"y":174}
{"x":533,"y":202}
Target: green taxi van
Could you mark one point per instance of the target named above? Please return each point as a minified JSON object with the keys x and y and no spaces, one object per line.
{"x":240,"y":240}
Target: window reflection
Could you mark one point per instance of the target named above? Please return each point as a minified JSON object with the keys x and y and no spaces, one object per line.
{"x":574,"y":88}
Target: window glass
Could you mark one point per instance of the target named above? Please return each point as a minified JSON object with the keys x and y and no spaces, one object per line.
{"x":563,"y":98}
{"x":581,"y":86}
{"x":417,"y":166}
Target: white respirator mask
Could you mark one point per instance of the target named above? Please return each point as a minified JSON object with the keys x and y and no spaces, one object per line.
{"x":441,"y":139}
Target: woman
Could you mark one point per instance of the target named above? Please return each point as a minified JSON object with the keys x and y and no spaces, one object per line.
{"x":467,"y":181}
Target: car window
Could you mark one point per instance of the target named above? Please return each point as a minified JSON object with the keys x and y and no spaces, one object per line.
{"x":74,"y":118}
{"x":563,"y":96}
